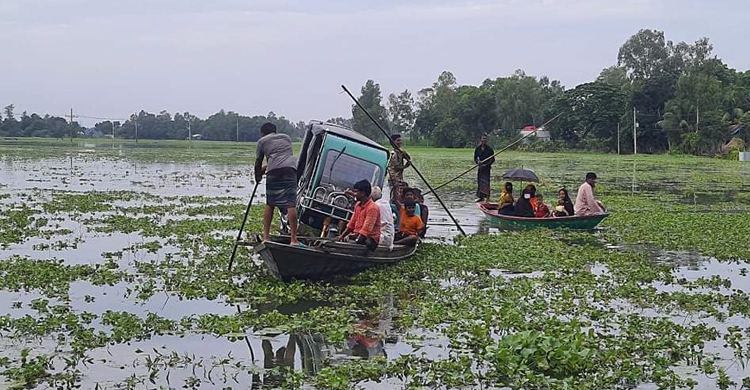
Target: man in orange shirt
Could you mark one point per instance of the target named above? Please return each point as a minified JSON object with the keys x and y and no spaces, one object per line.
{"x":410,"y":224}
{"x":364,"y":227}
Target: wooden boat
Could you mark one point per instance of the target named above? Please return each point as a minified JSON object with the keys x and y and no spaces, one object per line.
{"x":584,"y":222}
{"x":323,"y":257}
{"x":331,"y":160}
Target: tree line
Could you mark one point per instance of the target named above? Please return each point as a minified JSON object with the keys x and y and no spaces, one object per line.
{"x":681,"y":97}
{"x":221,"y":126}
{"x":678,"y":98}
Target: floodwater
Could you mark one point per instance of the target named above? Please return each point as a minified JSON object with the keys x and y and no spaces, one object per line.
{"x":219,"y":361}
{"x":222,"y":362}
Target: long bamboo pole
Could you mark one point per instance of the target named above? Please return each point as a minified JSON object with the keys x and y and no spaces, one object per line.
{"x":493,"y":156}
{"x":242,"y":227}
{"x":393,"y":144}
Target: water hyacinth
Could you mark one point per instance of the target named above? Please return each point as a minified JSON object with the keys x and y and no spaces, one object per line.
{"x":113,"y":274}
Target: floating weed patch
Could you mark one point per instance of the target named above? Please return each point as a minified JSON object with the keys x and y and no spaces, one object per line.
{"x":17,"y":224}
{"x":712,"y":231}
{"x":51,"y":277}
{"x":521,"y":310}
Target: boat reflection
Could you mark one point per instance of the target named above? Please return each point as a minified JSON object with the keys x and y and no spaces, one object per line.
{"x":311,"y":352}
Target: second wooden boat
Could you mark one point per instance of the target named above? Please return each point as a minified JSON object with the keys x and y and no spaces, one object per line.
{"x":584,"y":222}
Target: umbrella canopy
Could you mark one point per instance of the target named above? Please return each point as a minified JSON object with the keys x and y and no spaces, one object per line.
{"x":520,"y":174}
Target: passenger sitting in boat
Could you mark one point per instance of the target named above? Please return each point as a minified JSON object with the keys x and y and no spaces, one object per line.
{"x":364,"y":227}
{"x":386,"y":218}
{"x":406,"y":194}
{"x":540,"y":209}
{"x":585,"y":202}
{"x":560,"y":210}
{"x":411,"y":225}
{"x":563,"y":195}
{"x":523,"y":206}
{"x":505,"y":204}
{"x":425,"y":211}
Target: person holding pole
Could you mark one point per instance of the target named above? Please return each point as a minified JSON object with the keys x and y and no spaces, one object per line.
{"x":281,"y":178}
{"x":396,"y":166}
{"x":481,"y":153}
{"x":395,"y":146}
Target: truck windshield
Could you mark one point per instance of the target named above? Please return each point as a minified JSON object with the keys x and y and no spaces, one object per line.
{"x":343,"y":170}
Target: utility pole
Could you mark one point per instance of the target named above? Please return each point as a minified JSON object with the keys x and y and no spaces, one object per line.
{"x":697,"y":117}
{"x":238,"y":128}
{"x":618,"y":138}
{"x":71,"y":125}
{"x":136,"y":129}
{"x":635,"y":138}
{"x":190,"y":133}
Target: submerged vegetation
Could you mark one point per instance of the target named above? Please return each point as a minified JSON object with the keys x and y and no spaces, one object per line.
{"x":113,"y":275}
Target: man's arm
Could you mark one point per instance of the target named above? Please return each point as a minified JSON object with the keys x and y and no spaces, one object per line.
{"x":259,"y":170}
{"x":421,"y":228}
{"x":349,"y":229}
{"x":397,"y":202}
{"x":408,"y":159}
{"x":343,"y":235}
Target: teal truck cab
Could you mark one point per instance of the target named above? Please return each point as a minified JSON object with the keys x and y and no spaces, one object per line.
{"x":331,"y":160}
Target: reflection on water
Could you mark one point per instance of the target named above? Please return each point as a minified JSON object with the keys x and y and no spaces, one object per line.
{"x":311,"y":352}
{"x":87,"y":173}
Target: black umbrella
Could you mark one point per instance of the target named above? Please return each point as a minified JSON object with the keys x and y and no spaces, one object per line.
{"x":520,"y":174}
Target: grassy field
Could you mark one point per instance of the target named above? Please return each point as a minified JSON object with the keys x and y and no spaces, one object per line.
{"x":113,"y":274}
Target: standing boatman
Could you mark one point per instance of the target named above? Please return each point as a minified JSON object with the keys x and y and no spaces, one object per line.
{"x":281,"y":177}
{"x":481,"y":153}
{"x":396,"y":165}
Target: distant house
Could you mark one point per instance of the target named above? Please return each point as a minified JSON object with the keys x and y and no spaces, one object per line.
{"x":540,"y":133}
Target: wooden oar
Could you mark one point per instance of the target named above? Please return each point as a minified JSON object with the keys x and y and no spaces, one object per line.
{"x":393,"y":144}
{"x":493,"y":156}
{"x":242,"y":227}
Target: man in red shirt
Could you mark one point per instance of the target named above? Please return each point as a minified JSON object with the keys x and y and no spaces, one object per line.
{"x":364,"y":227}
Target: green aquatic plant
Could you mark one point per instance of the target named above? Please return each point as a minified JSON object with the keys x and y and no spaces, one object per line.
{"x":537,"y":309}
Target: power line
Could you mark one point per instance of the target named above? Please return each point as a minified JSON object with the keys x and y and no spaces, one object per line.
{"x":96,"y":117}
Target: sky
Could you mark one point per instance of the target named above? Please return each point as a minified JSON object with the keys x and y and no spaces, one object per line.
{"x":112,"y":58}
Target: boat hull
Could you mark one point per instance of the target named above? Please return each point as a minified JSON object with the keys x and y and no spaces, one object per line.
{"x":586,"y":222}
{"x":323,"y":258}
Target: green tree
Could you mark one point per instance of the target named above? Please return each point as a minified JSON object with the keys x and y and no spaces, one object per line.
{"x":501,"y":106}
{"x":654,"y":65}
{"x":616,"y":76}
{"x":401,"y":115}
{"x":697,"y":118}
{"x":9,"y":112}
{"x":426,"y":118}
{"x":371,"y":100}
{"x":646,"y":55}
{"x":10,"y":126}
{"x":346,"y":122}
{"x":522,"y":100}
{"x":590,"y":110}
